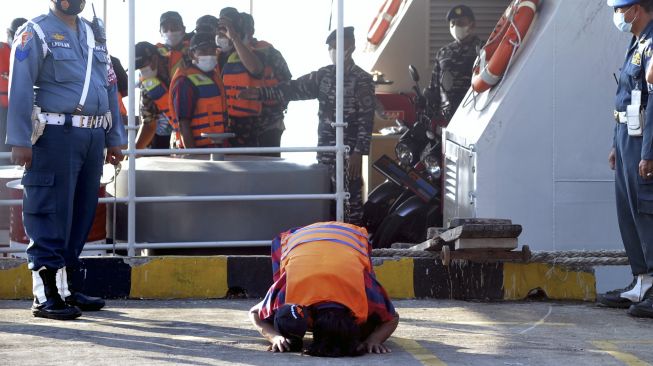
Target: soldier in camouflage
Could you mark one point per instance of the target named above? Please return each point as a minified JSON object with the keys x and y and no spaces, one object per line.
{"x":452,"y":70}
{"x":358,"y":113}
{"x":269,"y":125}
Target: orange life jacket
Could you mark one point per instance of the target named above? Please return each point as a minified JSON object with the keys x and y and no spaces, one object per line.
{"x":5,"y":53}
{"x":269,"y":77}
{"x":326,"y":262}
{"x":175,"y":57}
{"x":236,"y":78}
{"x":209,"y":114}
{"x":158,"y":92}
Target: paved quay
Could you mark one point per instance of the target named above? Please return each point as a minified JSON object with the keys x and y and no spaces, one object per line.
{"x":431,"y":332}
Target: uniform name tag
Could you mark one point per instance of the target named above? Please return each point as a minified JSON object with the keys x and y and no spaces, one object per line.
{"x":60,"y":44}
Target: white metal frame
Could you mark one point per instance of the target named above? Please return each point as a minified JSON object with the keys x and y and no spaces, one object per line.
{"x":132,"y":152}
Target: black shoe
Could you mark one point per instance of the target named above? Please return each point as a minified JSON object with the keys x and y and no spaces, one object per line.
{"x":85,"y":303}
{"x":643,"y":309}
{"x":53,"y":309}
{"x":613,"y":299}
{"x":51,"y":305}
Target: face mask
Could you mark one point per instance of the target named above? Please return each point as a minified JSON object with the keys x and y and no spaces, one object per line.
{"x":332,"y":54}
{"x":206,"y":63}
{"x":223,"y":43}
{"x":172,"y":39}
{"x":619,"y":20}
{"x":459,"y":33}
{"x":147,"y":73}
{"x":70,"y":7}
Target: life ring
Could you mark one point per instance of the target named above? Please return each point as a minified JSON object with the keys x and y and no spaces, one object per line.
{"x":495,"y":56}
{"x":381,"y":22}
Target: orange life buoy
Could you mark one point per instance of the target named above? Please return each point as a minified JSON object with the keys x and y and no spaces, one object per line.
{"x":502,"y":44}
{"x":381,"y":22}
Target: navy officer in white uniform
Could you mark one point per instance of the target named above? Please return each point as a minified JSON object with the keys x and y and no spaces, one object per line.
{"x":63,"y":114}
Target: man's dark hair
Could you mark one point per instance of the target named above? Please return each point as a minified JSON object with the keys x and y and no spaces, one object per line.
{"x":335,"y":334}
{"x":247,"y":22}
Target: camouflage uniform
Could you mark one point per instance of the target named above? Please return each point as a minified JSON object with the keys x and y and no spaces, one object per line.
{"x":452,"y":75}
{"x":149,"y":112}
{"x":270,"y":126}
{"x":358,"y":112}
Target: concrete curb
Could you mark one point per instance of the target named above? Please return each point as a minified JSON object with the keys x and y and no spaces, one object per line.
{"x":174,"y":277}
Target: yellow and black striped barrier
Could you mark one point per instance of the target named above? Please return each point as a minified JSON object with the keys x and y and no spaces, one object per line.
{"x":175,"y":277}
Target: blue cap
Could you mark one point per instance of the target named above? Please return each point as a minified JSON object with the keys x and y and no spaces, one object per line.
{"x":622,"y":3}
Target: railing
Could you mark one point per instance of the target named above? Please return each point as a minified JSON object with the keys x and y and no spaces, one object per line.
{"x":131,"y":246}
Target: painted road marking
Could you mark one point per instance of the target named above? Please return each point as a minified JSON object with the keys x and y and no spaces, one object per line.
{"x":420,"y":353}
{"x":539,"y":322}
{"x":627,"y":358}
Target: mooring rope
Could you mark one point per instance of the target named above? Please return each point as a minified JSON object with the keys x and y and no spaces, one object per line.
{"x":389,"y":252}
{"x":541,"y":256}
{"x":576,"y":258}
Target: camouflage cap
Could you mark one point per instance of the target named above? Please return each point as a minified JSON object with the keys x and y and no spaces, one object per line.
{"x":348,"y":34}
{"x":201,"y":40}
{"x":171,"y":16}
{"x":460,"y":11}
{"x":143,"y":53}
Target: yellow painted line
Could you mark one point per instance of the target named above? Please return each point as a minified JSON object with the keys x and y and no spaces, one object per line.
{"x":396,"y":276}
{"x":16,"y":283}
{"x":557,"y":282}
{"x":627,"y":358}
{"x":420,"y":353}
{"x":180,"y":277}
{"x":634,"y":341}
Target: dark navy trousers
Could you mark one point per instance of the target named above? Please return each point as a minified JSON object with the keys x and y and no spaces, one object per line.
{"x":634,"y":202}
{"x":61,"y":194}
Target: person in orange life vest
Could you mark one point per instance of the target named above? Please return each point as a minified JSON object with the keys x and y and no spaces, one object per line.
{"x":324,"y":281}
{"x":175,"y":41}
{"x":269,"y":126}
{"x":242,"y":67}
{"x":197,"y":95}
{"x":123,"y":86}
{"x":5,"y":53}
{"x":156,"y":119}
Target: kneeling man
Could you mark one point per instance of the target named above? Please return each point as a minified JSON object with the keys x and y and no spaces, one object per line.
{"x":324,"y":282}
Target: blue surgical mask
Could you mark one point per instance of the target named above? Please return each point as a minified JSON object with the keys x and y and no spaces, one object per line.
{"x":620,"y":22}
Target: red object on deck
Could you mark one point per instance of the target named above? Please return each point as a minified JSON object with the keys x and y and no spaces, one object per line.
{"x":17,"y":230}
{"x":398,"y":106}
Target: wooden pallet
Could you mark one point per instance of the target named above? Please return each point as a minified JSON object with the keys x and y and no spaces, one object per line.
{"x":479,"y":240}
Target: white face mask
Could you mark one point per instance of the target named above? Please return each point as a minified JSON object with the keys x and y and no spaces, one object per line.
{"x":619,"y":20}
{"x":459,"y":33}
{"x":147,"y":73}
{"x":206,"y":63}
{"x":223,"y":43}
{"x":172,"y":39}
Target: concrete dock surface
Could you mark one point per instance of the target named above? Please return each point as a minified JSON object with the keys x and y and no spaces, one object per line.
{"x":431,"y":332}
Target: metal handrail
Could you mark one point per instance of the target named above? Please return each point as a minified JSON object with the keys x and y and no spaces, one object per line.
{"x":132,"y":199}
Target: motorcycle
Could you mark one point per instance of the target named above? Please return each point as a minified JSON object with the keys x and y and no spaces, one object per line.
{"x":409,"y":202}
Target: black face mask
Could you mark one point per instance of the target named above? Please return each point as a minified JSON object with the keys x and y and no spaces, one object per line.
{"x":70,"y":7}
